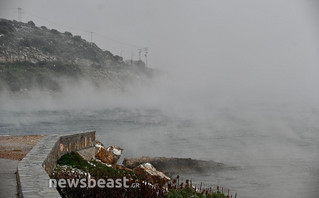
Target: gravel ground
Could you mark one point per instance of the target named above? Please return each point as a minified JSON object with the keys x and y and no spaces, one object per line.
{"x":16,"y":147}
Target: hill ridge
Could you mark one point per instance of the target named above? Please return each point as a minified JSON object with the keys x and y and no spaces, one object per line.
{"x":37,"y":55}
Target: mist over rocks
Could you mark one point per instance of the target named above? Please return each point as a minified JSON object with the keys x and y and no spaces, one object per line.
{"x":172,"y":166}
{"x":34,"y":57}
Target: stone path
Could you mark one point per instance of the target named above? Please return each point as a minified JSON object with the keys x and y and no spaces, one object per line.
{"x":8,"y":181}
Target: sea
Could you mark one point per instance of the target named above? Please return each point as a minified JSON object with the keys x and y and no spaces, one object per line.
{"x":268,"y":150}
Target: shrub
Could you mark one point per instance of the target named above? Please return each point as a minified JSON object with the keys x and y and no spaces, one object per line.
{"x":5,"y":27}
{"x":54,"y":31}
{"x":77,"y":38}
{"x":31,"y":23}
{"x":68,"y":34}
{"x":118,"y":58}
{"x":25,"y":42}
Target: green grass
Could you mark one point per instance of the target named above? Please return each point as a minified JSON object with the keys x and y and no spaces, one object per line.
{"x":95,"y":168}
{"x":99,"y":170}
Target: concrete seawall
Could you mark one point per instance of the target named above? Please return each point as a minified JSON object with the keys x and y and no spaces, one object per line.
{"x":33,"y":171}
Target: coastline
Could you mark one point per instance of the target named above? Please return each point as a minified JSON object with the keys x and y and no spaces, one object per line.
{"x":35,"y":169}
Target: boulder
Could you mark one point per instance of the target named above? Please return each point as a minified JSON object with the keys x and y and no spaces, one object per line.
{"x":109,"y":155}
{"x":98,"y":143}
{"x":121,"y":167}
{"x":150,"y":174}
{"x":87,"y":153}
{"x":173,"y":166}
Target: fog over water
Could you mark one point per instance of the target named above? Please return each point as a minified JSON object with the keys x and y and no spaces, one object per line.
{"x":240,"y":87}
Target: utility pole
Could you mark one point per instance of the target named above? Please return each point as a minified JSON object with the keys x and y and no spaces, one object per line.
{"x":131,"y":58}
{"x":19,"y":14}
{"x":146,"y":52}
{"x":139,"y":54}
{"x":92,"y":37}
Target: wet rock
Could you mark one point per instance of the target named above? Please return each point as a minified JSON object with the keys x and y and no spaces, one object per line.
{"x":109,"y":155}
{"x":150,"y":173}
{"x":172,"y":166}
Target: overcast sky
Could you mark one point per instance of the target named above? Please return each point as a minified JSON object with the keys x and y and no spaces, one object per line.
{"x":269,"y":43}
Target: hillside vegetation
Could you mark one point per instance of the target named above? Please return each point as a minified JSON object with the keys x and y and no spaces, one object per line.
{"x":38,"y":57}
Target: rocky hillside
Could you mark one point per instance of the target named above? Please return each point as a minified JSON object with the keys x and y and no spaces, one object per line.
{"x":32,"y":56}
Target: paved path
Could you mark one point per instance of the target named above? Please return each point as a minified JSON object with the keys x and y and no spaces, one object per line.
{"x":8,"y":181}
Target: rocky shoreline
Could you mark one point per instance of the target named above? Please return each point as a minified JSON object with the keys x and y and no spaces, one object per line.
{"x":17,"y":147}
{"x":154,"y":176}
{"x":159,"y":167}
{"x":174,"y":166}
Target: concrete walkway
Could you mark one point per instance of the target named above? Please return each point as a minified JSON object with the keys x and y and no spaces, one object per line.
{"x":8,"y":181}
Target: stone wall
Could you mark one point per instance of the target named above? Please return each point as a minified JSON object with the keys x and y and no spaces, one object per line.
{"x":68,"y":143}
{"x":33,"y":171}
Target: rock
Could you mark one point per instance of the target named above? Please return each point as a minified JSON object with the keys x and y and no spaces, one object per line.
{"x":150,"y":174}
{"x":121,"y":167}
{"x":109,"y":155}
{"x":99,"y":143}
{"x":172,"y":166}
{"x":88,"y":153}
{"x":116,"y":153}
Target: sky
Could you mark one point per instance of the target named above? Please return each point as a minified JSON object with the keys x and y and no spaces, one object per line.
{"x":243,"y":45}
{"x":179,"y":32}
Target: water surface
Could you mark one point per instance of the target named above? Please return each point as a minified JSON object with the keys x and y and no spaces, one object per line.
{"x":273,"y":152}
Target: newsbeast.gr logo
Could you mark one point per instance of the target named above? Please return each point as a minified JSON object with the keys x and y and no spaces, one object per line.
{"x":92,"y":183}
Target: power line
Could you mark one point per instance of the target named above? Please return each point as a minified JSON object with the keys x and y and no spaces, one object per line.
{"x":86,"y":31}
{"x":54,"y":23}
{"x":146,"y":52}
{"x":117,"y":41}
{"x":140,"y":48}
